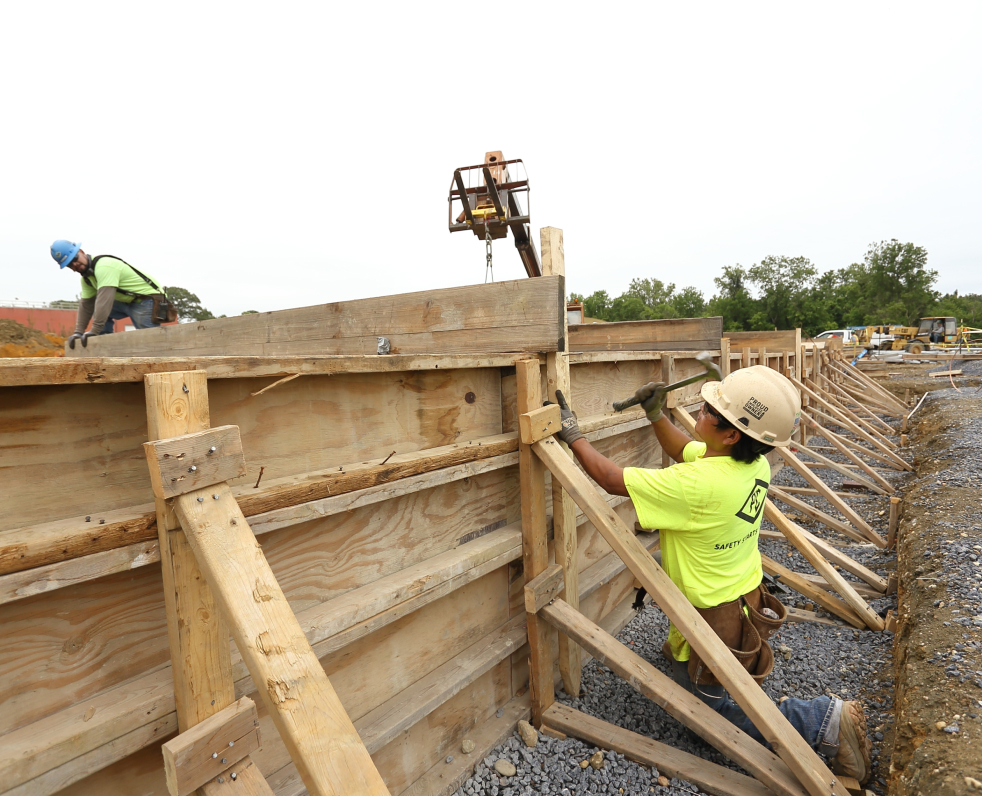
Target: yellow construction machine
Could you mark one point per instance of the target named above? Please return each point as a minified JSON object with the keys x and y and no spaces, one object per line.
{"x":936,"y":332}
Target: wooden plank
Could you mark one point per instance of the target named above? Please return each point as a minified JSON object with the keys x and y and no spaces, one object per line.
{"x":845,"y":396}
{"x":861,"y":588}
{"x":800,"y":615}
{"x":28,"y":548}
{"x":847,"y":511}
{"x":843,"y":561}
{"x":314,"y":726}
{"x":816,"y":514}
{"x":854,"y":416}
{"x":839,"y":468}
{"x":206,"y":750}
{"x":887,"y":458}
{"x":677,"y":701}
{"x":840,"y":584}
{"x":544,"y":588}
{"x":194,"y":461}
{"x":676,"y":334}
{"x":177,"y":404}
{"x":243,"y":779}
{"x":519,"y":315}
{"x":535,"y":552}
{"x":764,"y":714}
{"x":709,"y":777}
{"x":538,"y":424}
{"x":840,"y":446}
{"x":388,"y":720}
{"x":894,"y":521}
{"x":854,"y":424}
{"x":864,"y":380}
{"x":812,"y":592}
{"x":33,"y":372}
{"x":772,"y":341}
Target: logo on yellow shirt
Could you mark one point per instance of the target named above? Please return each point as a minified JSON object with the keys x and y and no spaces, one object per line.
{"x":754,"y":504}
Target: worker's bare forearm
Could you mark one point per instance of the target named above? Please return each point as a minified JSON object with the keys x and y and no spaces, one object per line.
{"x":601,"y":469}
{"x":671,"y":438}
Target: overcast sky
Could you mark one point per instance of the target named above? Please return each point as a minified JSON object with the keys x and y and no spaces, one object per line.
{"x":267,"y":156}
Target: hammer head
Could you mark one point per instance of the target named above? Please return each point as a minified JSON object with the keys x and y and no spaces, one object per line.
{"x":712,"y":369}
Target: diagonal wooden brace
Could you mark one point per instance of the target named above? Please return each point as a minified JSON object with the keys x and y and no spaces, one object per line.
{"x":784,"y":739}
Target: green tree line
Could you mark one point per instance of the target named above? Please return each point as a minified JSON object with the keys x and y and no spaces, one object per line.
{"x":892,"y":285}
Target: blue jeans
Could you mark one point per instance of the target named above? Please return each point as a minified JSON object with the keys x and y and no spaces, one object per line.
{"x":814,"y":719}
{"x":140,"y":312}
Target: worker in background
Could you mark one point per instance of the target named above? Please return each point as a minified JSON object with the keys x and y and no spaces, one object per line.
{"x":708,"y":508}
{"x":937,"y":332}
{"x":112,"y":289}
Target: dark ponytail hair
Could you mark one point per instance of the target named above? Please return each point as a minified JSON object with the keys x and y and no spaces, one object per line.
{"x":746,"y":449}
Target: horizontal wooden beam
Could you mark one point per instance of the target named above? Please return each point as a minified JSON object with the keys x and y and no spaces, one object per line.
{"x":115,"y":370}
{"x":686,"y":334}
{"x":587,"y":357}
{"x":831,"y":604}
{"x":518,"y":315}
{"x":208,"y":748}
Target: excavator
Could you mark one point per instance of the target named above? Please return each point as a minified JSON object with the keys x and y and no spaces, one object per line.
{"x":493,"y":197}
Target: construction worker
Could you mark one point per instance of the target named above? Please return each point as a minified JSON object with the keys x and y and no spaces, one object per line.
{"x":708,"y":508}
{"x":111,"y":290}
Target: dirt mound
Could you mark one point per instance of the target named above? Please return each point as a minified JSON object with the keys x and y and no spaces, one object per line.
{"x":17,"y":340}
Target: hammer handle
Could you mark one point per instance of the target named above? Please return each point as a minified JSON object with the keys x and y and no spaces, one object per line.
{"x":627,"y":403}
{"x":620,"y":406}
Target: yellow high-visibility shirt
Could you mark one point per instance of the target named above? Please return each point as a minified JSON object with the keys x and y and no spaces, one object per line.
{"x":708,"y":512}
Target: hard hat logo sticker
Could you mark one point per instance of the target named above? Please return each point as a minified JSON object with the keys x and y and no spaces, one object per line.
{"x":756,"y":408}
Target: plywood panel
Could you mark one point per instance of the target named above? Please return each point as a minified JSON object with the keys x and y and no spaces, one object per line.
{"x":519,"y":315}
{"x":596,"y":385}
{"x":676,"y":334}
{"x":771,"y":341}
{"x":77,"y":450}
{"x":85,"y":638}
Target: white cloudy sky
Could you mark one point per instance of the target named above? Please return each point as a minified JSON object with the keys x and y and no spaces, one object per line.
{"x":271,"y":155}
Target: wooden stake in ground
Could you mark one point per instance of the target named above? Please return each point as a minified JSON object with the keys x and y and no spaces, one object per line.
{"x":894,"y":521}
{"x":790,"y":746}
{"x":563,"y":508}
{"x":535,"y":550}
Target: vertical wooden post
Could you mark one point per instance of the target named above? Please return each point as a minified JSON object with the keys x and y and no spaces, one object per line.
{"x":797,"y":352}
{"x":894,"y":521}
{"x":762,"y":357}
{"x":724,"y":356}
{"x":201,"y":661}
{"x":535,"y":551}
{"x":563,"y":508}
{"x":745,"y":357}
{"x":177,"y":404}
{"x":668,"y":376}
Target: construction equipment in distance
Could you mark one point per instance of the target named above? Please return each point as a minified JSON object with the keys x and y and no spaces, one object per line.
{"x":938,"y":332}
{"x":491,"y":205}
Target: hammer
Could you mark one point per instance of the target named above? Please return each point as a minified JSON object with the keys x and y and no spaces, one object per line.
{"x":705,"y":359}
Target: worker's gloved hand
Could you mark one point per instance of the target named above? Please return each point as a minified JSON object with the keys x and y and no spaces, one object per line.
{"x":85,"y":338}
{"x":570,"y":431}
{"x":71,"y":340}
{"x":652,"y":398}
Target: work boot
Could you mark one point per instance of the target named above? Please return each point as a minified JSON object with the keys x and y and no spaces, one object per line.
{"x":666,"y":650}
{"x":853,"y":758}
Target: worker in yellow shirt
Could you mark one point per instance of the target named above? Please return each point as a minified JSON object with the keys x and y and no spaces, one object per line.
{"x":708,"y":508}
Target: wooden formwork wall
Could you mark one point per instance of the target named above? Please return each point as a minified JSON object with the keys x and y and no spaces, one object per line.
{"x":388,"y":508}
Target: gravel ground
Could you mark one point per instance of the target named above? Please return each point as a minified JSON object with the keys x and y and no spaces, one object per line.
{"x":971,"y":367}
{"x":811,"y":660}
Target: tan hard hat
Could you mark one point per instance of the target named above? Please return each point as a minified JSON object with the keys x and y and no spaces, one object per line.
{"x":759,"y":402}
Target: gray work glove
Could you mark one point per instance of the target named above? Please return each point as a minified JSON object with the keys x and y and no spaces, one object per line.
{"x":85,"y":338}
{"x":652,"y":399}
{"x":71,"y":340}
{"x":570,"y":431}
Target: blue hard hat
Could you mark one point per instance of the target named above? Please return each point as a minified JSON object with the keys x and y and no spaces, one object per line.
{"x":64,"y":251}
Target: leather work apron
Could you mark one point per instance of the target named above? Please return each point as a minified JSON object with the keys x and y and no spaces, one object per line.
{"x":744,"y":633}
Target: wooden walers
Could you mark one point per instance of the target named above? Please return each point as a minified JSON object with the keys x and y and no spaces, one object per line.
{"x":217,"y":581}
{"x":795,"y":769}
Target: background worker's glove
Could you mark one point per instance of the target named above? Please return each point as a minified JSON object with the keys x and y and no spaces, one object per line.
{"x":570,"y":431}
{"x":71,"y":340}
{"x":652,"y":398}
{"x":85,"y":338}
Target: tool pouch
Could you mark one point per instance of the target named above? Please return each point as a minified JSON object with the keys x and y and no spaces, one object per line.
{"x":744,"y":633}
{"x":163,"y":311}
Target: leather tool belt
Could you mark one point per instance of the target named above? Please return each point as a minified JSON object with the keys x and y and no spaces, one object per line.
{"x":744,"y":633}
